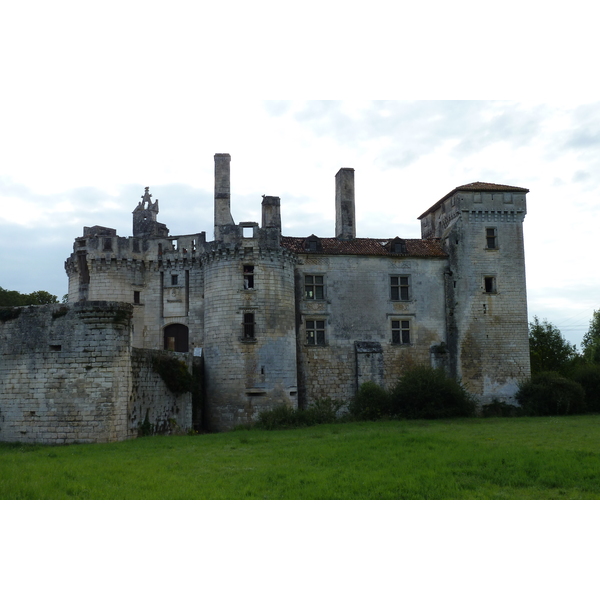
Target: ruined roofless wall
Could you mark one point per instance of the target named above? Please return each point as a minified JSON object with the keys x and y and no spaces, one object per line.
{"x":65,"y":373}
{"x":68,"y":374}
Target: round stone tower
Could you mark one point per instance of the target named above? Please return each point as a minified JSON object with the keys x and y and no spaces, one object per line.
{"x":249,"y":314}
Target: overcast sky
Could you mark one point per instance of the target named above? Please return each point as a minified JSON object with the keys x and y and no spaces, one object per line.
{"x":100,"y":102}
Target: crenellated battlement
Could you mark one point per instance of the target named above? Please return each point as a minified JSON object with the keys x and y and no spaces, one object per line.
{"x":282,"y":320}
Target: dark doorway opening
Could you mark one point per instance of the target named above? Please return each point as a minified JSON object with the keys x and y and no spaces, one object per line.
{"x":176,"y":338}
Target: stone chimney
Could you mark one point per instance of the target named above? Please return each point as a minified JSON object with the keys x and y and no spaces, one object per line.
{"x":222,"y":193}
{"x":345,"y":226}
{"x":271,"y":221}
{"x":271,"y":213}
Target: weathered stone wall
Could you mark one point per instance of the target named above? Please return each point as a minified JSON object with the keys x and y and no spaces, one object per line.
{"x":248,"y":374}
{"x":140,"y":271}
{"x":68,"y":374}
{"x":153,"y":408}
{"x":358,"y":308}
{"x":65,"y":373}
{"x":488,"y":328}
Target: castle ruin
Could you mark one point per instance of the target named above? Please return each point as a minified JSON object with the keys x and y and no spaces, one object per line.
{"x":289,"y":320}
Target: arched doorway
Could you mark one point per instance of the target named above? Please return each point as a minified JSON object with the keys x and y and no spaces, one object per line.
{"x":176,"y":338}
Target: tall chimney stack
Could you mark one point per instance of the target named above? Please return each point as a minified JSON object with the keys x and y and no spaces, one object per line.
{"x":222,"y":192}
{"x":271,"y":212}
{"x":345,"y":226}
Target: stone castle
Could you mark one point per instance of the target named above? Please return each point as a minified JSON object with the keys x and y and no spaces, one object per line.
{"x":276,"y":319}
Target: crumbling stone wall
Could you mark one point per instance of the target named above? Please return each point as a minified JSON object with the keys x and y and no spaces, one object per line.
{"x":68,"y":374}
{"x":153,"y":407}
{"x":64,"y":373}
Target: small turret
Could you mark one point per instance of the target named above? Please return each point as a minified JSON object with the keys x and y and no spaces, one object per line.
{"x":144,"y":218}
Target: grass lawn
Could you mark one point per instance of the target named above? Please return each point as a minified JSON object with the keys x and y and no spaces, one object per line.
{"x":519,"y":458}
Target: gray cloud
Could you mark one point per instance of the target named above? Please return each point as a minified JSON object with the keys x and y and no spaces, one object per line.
{"x":584,"y":133}
{"x":408,"y":131}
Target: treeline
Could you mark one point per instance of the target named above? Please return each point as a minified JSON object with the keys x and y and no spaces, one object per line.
{"x":563,"y":379}
{"x":12,"y":298}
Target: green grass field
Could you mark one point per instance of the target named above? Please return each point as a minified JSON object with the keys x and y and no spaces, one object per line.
{"x":520,"y":458}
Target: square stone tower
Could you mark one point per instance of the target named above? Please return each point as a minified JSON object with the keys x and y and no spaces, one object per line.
{"x":481,"y":228}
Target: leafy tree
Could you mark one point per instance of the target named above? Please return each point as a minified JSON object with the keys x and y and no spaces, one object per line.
{"x":13,"y":298}
{"x":551,"y":394}
{"x":591,"y":340}
{"x":588,"y":376}
{"x":41,"y":297}
{"x":548,"y":349}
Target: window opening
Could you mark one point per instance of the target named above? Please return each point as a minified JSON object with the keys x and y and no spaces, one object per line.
{"x":136,"y":297}
{"x":490,"y":285}
{"x":401,"y":332}
{"x":398,"y":246}
{"x":174,"y":279}
{"x":315,"y":333}
{"x":400,"y":287}
{"x":249,"y":326}
{"x":107,"y":243}
{"x":248,"y":232}
{"x":491,"y":238}
{"x":248,"y":277}
{"x":314,"y":287}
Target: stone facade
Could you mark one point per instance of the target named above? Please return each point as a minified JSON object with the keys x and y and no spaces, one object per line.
{"x":68,"y":374}
{"x":289,"y":320}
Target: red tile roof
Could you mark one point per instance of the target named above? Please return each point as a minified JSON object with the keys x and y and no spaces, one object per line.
{"x":430,"y":248}
{"x":477,"y":186}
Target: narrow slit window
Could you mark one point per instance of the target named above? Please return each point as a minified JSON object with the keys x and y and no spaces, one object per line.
{"x":136,"y":298}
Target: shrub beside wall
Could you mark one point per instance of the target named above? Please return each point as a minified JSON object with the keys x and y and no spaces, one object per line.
{"x":549,"y":393}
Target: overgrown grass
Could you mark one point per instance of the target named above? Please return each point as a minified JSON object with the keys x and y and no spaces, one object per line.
{"x":525,"y":458}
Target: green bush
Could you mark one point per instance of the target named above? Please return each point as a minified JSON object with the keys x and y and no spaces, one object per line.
{"x":173,"y":372}
{"x":499,"y":408}
{"x":285,"y":417}
{"x":323,"y":410}
{"x":371,"y":402}
{"x":427,"y":393}
{"x":551,"y":394}
{"x":588,"y":376}
{"x":280,"y":417}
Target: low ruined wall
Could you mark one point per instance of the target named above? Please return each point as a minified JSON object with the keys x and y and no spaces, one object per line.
{"x":153,"y":407}
{"x":65,"y":372}
{"x":68,"y":374}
